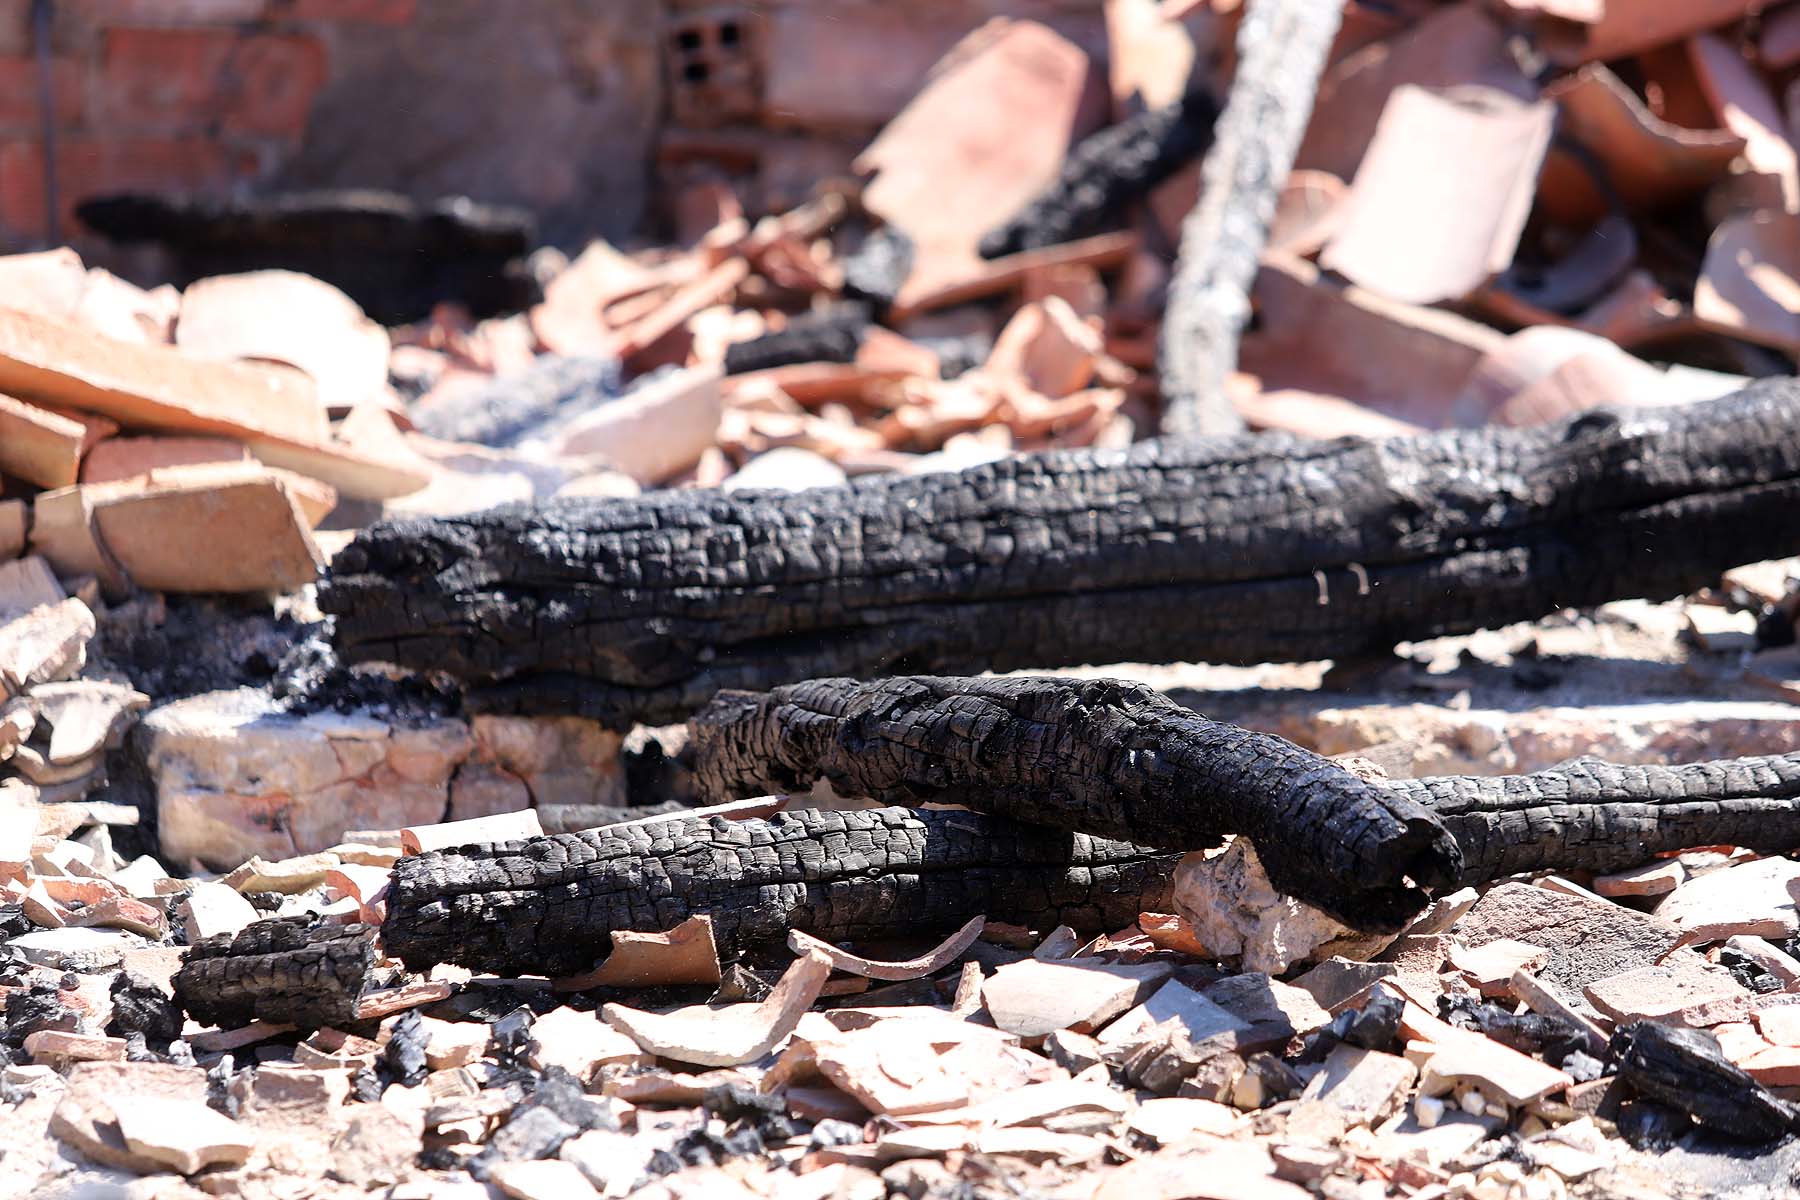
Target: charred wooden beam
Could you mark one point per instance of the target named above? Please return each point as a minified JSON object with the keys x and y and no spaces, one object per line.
{"x":393,"y":255}
{"x":547,"y":905}
{"x":1597,"y":816}
{"x":1106,"y":173}
{"x":1100,"y":756}
{"x":1282,"y":46}
{"x":827,"y":335}
{"x":1685,"y":1069}
{"x":1234,"y":550}
{"x":282,"y":969}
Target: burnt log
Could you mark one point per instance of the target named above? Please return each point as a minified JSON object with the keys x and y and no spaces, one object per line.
{"x":1590,"y":815}
{"x":1230,"y":550}
{"x":1106,"y":173}
{"x":1100,"y":756}
{"x":282,"y":969}
{"x":514,"y":407}
{"x":828,"y":335}
{"x":1685,"y":1069}
{"x":394,"y":256}
{"x":1282,"y":46}
{"x":546,"y":905}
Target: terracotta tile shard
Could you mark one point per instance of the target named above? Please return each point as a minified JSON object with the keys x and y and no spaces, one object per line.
{"x":40,"y":446}
{"x":655,"y":431}
{"x":569,"y":321}
{"x":1651,"y":879}
{"x":1402,"y":360}
{"x":287,"y":876}
{"x":986,"y":133}
{"x":1588,"y":939}
{"x":726,"y":1037}
{"x":287,"y":317}
{"x":1175,"y":1007}
{"x":1750,"y":280}
{"x":501,"y":827}
{"x":1364,"y":1085}
{"x":686,"y":954}
{"x":1650,"y":162}
{"x":1417,"y":229}
{"x":48,"y":1045}
{"x":1744,"y":105}
{"x":1034,"y":998}
{"x":1173,"y":1118}
{"x":1054,"y":351}
{"x":910,"y":1064}
{"x":542,"y":1179}
{"x":187,"y":1135}
{"x":451,"y":1044}
{"x":930,"y":963}
{"x":211,"y":1041}
{"x":1751,"y":898}
{"x":1620,"y":28}
{"x":86,"y":1116}
{"x":1307,"y":213}
{"x":1102,"y":251}
{"x":152,"y":386}
{"x":121,"y":458}
{"x":1490,"y":967}
{"x":1170,"y":932}
{"x":248,"y":535}
{"x":581,"y":1044}
{"x":48,"y":282}
{"x":47,"y":643}
{"x":214,"y":908}
{"x":1308,"y":414}
{"x":674,"y":312}
{"x":1769,"y":957}
{"x":388,"y":1001}
{"x":1660,"y":993}
{"x":15,"y":517}
{"x":1461,"y":44}
{"x":25,"y":584}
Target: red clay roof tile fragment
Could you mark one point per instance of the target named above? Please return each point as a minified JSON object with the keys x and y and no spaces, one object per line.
{"x":1441,"y":197}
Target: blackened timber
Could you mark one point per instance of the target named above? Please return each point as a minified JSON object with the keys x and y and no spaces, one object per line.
{"x":546,"y":905}
{"x":1590,"y":815}
{"x":1106,"y":173}
{"x":284,"y":969}
{"x":1100,"y":756}
{"x":1232,"y":550}
{"x":1282,"y":46}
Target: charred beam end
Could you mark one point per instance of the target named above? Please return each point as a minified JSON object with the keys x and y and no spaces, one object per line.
{"x":827,"y":335}
{"x":283,"y":969}
{"x":1108,"y":172}
{"x":1282,"y":46}
{"x":547,"y":905}
{"x":1685,"y":1069}
{"x":1100,"y":756}
{"x":1599,"y":816}
{"x":1226,"y":550}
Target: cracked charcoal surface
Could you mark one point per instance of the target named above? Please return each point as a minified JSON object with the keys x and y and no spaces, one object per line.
{"x":1214,"y":550}
{"x":1108,"y":172}
{"x":1685,"y":1069}
{"x":277,"y":970}
{"x":1598,"y":816}
{"x":1104,"y":757}
{"x":825,"y":335}
{"x":877,"y":269}
{"x":546,"y":905}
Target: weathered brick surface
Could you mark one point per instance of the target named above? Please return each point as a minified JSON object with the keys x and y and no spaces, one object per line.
{"x":170,"y":80}
{"x":86,"y":165}
{"x":20,"y":114}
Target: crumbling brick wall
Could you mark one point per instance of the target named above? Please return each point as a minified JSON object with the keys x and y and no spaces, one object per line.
{"x":579,"y":110}
{"x":552,"y":105}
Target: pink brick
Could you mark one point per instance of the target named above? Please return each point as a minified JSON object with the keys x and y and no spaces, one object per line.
{"x":19,"y":113}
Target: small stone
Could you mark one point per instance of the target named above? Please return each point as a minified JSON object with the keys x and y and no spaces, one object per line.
{"x":542,"y":1179}
{"x":1780,"y":1025}
{"x":1661,"y":992}
{"x":214,"y":908}
{"x":1657,"y":878}
{"x":453,"y":1043}
{"x":1073,"y":1052}
{"x":1337,"y":981}
{"x":1274,"y":1011}
{"x":186,"y":1134}
{"x":1034,"y":998}
{"x":1776,"y":1066}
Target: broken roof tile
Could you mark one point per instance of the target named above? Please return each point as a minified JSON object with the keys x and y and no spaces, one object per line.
{"x":1441,"y":196}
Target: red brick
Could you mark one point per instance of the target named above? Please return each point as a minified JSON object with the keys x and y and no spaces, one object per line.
{"x":270,"y":82}
{"x":165,"y":12}
{"x":87,"y":166}
{"x":162,"y":80}
{"x":176,"y":80}
{"x":19,"y":94}
{"x":380,"y":12}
